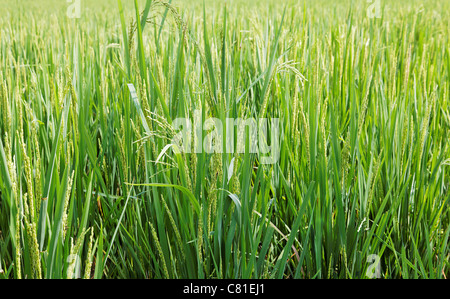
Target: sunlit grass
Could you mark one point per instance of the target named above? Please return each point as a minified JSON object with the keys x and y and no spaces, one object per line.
{"x":90,"y":186}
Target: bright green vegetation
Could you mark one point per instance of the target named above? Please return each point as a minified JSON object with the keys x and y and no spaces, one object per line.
{"x":88,"y":181}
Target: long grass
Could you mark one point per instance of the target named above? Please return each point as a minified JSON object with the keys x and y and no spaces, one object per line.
{"x":91,"y":185}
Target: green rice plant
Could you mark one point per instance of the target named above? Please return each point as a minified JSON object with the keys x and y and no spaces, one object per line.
{"x":94,"y":183}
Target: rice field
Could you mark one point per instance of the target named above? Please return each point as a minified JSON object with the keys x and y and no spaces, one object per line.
{"x":225,"y":139}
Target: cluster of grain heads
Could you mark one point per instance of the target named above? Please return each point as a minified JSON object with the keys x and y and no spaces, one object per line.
{"x":37,"y":147}
{"x":14,"y":203}
{"x":74,"y":256}
{"x":160,"y":252}
{"x":30,"y":217}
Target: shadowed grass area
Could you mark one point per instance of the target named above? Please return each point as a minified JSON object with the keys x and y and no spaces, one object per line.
{"x":92,"y":183}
